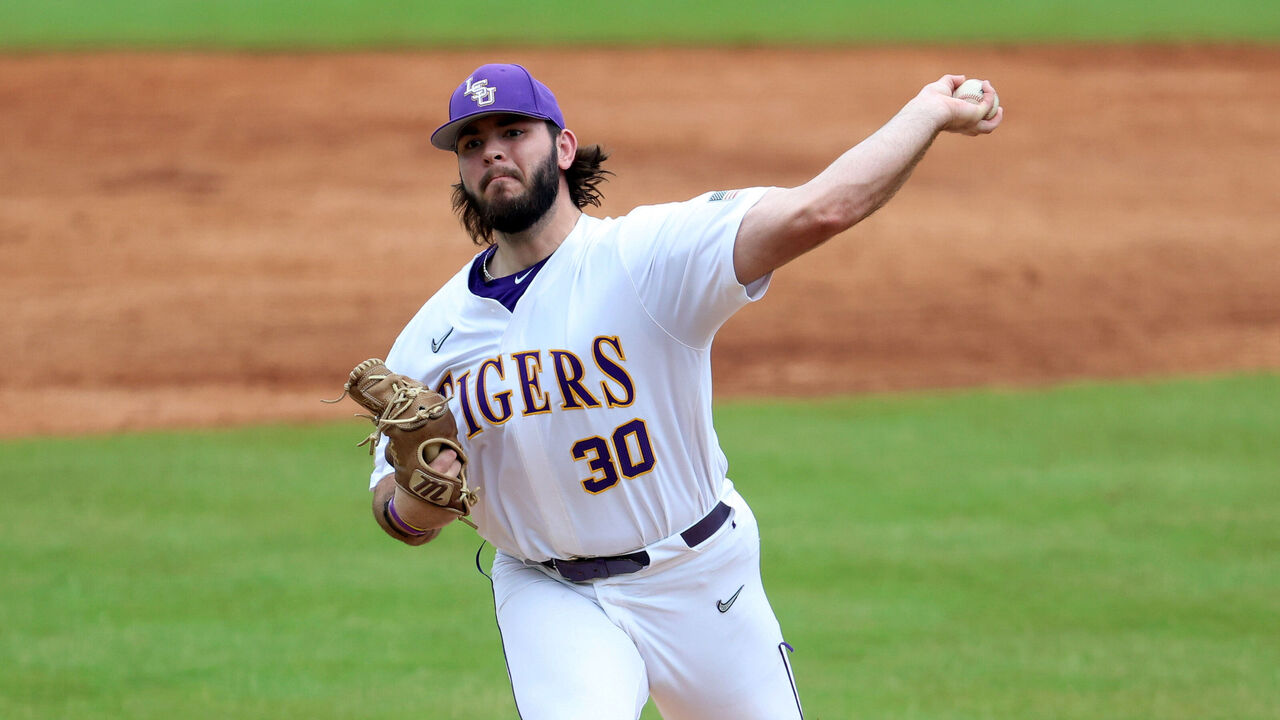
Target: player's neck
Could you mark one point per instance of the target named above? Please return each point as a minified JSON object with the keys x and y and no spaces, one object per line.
{"x":523,"y":249}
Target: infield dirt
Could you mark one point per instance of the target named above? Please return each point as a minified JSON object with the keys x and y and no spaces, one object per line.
{"x":194,"y":239}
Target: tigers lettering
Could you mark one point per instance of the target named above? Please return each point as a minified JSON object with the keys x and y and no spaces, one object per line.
{"x":485,"y":394}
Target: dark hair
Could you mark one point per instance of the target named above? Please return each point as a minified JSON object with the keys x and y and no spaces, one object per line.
{"x":583,"y":176}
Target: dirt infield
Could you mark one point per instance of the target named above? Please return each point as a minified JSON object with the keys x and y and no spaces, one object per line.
{"x":204,"y":239}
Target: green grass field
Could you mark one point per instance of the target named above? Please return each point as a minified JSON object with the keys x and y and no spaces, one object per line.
{"x":1091,"y":551}
{"x":271,"y":24}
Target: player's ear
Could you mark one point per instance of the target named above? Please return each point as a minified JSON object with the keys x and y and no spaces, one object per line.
{"x":566,"y":148}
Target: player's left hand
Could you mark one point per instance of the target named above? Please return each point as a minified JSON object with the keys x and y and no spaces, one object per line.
{"x":956,"y":115}
{"x":447,"y":463}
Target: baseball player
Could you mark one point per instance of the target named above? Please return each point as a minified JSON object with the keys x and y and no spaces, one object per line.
{"x":575,"y":355}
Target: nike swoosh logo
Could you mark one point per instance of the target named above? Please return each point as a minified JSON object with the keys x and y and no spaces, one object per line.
{"x":724,"y":605}
{"x":437,"y":344}
{"x":520,"y":278}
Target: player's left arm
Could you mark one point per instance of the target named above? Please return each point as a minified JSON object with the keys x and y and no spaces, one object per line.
{"x":424,"y":520}
{"x":787,"y":222}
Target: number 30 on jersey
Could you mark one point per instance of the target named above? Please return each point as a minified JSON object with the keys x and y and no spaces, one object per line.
{"x":627,"y":452}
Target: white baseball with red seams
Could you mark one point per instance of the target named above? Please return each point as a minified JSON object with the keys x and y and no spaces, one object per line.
{"x":971,"y":90}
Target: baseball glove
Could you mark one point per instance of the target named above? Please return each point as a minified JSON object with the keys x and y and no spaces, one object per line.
{"x":418,"y":425}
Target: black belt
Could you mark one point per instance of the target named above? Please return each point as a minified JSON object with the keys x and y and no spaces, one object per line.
{"x":583,"y":569}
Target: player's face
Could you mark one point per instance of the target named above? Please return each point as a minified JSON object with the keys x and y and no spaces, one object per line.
{"x":509,"y":170}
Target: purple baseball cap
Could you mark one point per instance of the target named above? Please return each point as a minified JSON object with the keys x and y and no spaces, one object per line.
{"x":493,"y":90}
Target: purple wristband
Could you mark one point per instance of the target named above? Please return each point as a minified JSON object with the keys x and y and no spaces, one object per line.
{"x":400,"y":524}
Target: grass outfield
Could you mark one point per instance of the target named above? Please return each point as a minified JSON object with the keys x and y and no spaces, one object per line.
{"x":61,"y":24}
{"x":1092,"y":551}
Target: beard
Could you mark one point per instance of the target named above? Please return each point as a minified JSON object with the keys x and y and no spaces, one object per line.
{"x":517,"y":213}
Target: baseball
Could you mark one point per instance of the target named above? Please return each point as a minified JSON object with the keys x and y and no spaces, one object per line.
{"x":971,"y":90}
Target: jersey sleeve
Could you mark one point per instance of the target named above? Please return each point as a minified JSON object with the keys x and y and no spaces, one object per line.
{"x":679,"y":257}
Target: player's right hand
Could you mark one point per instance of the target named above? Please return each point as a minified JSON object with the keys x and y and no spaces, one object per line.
{"x":955,"y":115}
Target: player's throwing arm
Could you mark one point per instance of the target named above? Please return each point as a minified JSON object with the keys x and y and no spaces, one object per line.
{"x":788,"y":222}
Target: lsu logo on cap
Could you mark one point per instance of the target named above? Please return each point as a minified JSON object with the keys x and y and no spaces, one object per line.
{"x":480,"y":92}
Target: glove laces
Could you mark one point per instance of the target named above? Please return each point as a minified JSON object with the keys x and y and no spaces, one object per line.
{"x":402,"y":398}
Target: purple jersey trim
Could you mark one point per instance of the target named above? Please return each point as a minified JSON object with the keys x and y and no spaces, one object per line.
{"x":505,"y":290}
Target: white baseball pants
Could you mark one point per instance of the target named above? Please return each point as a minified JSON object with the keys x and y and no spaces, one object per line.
{"x":694,"y":630}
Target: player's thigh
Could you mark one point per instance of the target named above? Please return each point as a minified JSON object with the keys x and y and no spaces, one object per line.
{"x":565,"y":658}
{"x":722,"y":650}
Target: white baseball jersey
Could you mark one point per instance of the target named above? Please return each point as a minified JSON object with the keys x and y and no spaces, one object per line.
{"x":582,"y":385}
